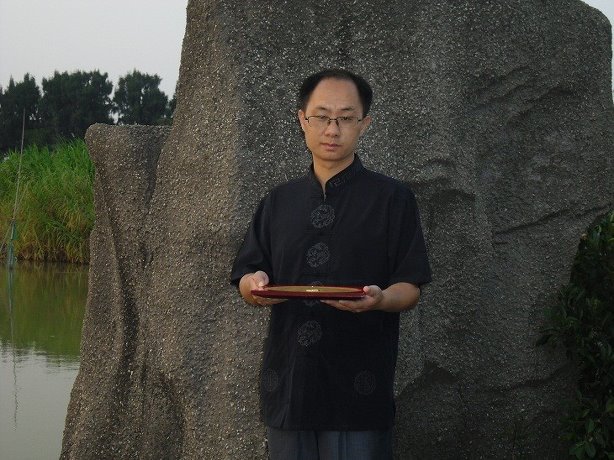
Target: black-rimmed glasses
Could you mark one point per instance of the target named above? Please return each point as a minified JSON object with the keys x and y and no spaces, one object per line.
{"x":322,"y":121}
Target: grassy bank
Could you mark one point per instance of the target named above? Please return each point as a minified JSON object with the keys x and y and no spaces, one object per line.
{"x":55,"y":211}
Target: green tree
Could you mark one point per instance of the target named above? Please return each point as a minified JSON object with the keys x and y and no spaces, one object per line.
{"x":583,"y":322}
{"x":18,"y":97}
{"x":170,"y":109}
{"x":72,"y":102}
{"x":138,"y":99}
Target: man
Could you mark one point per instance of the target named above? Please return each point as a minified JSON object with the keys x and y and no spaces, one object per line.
{"x":328,"y":368}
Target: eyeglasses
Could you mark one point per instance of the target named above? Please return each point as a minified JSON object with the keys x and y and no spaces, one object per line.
{"x":322,"y":121}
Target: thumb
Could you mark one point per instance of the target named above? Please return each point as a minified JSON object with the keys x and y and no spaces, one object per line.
{"x":262,"y":279}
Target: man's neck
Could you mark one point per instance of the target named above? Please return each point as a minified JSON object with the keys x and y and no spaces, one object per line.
{"x":324,"y":170}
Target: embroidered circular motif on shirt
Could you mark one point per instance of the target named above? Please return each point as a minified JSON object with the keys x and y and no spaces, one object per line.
{"x":322,"y":216}
{"x":317,"y":255}
{"x":309,"y":333}
{"x":365,"y":383}
{"x":270,"y":380}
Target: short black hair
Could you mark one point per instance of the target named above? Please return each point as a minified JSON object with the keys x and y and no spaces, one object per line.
{"x":309,"y":84}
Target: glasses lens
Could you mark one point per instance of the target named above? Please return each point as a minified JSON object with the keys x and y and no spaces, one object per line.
{"x":347,"y":122}
{"x":322,"y":121}
{"x":318,"y":121}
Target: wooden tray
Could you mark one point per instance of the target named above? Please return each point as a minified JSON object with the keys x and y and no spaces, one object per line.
{"x":294,"y":291}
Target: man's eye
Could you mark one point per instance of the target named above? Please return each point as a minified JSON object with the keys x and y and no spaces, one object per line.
{"x":346,"y":118}
{"x":321,"y":117}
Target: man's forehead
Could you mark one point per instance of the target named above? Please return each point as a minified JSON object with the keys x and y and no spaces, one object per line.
{"x":334,"y":94}
{"x":329,"y":107}
{"x":336,"y":85}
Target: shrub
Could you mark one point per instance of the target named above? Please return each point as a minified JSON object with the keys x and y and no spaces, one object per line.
{"x":583,"y":322}
{"x":55,"y":204}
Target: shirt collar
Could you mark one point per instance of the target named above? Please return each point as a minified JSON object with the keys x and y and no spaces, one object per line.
{"x":342,"y":177}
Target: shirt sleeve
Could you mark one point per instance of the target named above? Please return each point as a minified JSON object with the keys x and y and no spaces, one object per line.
{"x":255,"y":252}
{"x":408,"y":253}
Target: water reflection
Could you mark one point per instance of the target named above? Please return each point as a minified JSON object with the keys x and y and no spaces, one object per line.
{"x":41,"y":312}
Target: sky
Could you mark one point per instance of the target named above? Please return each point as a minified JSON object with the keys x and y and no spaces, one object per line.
{"x":113,"y":36}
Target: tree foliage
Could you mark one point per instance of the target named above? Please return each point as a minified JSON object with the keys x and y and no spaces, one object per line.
{"x":583,"y":322}
{"x":138,"y":99}
{"x":73,"y":101}
{"x":17,"y":98}
{"x":170,"y":109}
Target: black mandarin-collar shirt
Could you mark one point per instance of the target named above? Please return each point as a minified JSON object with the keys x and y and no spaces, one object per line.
{"x":326,"y":369}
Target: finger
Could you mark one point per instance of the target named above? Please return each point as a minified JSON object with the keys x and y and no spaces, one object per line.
{"x":262,"y":278}
{"x":340,"y":305}
{"x":276,"y":301}
{"x":265,"y":302}
{"x":355,"y":304}
{"x":262,"y":301}
{"x":333,"y":303}
{"x":359,"y":306}
{"x":371,"y":291}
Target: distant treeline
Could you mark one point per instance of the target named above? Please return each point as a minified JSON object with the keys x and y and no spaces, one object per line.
{"x":70,"y":102}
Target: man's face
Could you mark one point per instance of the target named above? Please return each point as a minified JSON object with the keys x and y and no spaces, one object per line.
{"x":333,"y":146}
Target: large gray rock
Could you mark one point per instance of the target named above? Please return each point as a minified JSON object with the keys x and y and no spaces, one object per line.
{"x":500,"y":116}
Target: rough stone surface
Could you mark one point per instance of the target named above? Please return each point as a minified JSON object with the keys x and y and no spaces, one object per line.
{"x":500,"y":116}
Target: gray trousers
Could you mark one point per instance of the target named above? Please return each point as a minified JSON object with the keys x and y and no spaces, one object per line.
{"x":329,"y":445}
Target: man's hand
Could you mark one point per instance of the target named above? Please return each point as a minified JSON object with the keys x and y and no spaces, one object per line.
{"x":396,"y":298}
{"x":256,"y":281}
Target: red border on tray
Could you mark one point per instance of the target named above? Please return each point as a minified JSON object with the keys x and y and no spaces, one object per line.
{"x":298,"y":291}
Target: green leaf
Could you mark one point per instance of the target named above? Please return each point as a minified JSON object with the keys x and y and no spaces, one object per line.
{"x":599,"y":439}
{"x":582,"y":321}
{"x":577,"y":450}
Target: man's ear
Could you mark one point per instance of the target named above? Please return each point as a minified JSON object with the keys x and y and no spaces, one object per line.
{"x":301,"y":119}
{"x":366,"y":121}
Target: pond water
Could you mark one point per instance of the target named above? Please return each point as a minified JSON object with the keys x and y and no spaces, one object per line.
{"x":41,"y":313}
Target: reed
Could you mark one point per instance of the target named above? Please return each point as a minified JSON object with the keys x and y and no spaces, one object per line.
{"x":55,"y":208}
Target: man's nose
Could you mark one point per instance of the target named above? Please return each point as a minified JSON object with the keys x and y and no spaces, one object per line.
{"x":333,"y":126}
